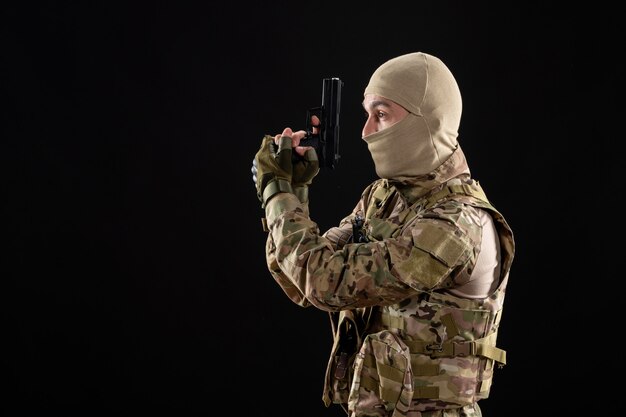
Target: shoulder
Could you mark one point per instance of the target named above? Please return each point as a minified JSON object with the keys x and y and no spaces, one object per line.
{"x":458,"y":215}
{"x":369,"y":189}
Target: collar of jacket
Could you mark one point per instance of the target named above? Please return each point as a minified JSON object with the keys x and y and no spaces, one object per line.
{"x":413,"y":188}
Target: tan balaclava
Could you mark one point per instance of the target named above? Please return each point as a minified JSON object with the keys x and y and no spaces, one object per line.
{"x":426,"y":137}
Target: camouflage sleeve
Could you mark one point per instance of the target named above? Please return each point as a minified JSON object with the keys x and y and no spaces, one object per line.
{"x":338,"y":237}
{"x":341,"y":235}
{"x":283,"y":281}
{"x":312,"y":269}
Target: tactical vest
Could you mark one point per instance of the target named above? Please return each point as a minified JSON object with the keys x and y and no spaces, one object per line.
{"x":434,"y":351}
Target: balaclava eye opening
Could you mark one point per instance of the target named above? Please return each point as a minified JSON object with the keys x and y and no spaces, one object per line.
{"x":427,"y":136}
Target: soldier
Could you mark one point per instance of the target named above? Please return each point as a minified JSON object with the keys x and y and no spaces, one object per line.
{"x":414,"y":278}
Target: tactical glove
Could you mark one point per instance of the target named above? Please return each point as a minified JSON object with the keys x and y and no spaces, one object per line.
{"x":254,"y":171}
{"x":273,"y":168}
{"x":305,"y":168}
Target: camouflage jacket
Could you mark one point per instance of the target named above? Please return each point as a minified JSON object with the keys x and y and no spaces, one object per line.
{"x":402,"y":342}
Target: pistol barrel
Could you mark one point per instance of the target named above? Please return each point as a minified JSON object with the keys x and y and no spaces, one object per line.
{"x":331,"y":109}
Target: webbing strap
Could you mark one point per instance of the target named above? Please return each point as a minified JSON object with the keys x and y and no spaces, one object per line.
{"x":479,"y":347}
{"x":474,"y":191}
{"x":486,"y":347}
{"x":393,"y":322}
{"x":485,"y":385}
{"x":383,"y":370}
{"x":274,"y":187}
{"x":302,"y":193}
{"x":426,"y":392}
{"x":391,"y":394}
{"x":396,"y":322}
{"x":390,"y":372}
{"x":425,"y":369}
{"x":369,"y":383}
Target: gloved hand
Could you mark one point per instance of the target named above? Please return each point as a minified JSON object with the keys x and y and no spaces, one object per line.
{"x":305,"y":168}
{"x":254,"y":171}
{"x":273,"y":166}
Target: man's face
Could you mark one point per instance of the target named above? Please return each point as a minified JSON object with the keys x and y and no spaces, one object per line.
{"x":381,"y":113}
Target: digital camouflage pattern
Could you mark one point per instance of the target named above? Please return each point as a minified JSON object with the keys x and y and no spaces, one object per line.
{"x":403,"y":345}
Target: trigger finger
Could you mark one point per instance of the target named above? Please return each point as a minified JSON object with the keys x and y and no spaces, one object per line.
{"x":315,"y":122}
{"x":297,"y":137}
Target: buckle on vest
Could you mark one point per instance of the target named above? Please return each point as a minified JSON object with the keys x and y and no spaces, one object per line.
{"x":450,"y":349}
{"x":464,"y":349}
{"x":434,"y":349}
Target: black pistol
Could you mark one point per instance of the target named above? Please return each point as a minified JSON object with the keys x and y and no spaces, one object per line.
{"x":326,"y":140}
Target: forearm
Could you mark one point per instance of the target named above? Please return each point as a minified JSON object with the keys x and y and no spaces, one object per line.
{"x":358,"y":275}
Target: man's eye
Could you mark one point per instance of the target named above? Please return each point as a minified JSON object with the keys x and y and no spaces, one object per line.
{"x":378,"y":114}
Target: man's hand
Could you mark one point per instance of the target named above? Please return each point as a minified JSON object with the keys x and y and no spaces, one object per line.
{"x":296,"y":137}
{"x":303,"y":152}
{"x":305,"y":168}
{"x":306,"y":164}
{"x":273,"y":167}
{"x":276,"y":169}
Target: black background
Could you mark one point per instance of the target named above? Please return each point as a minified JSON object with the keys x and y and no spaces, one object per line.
{"x":135,"y":273}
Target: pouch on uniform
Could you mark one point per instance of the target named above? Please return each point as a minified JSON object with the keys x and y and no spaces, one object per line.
{"x":383,"y":380}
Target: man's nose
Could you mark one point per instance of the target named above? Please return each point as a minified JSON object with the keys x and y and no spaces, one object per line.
{"x":369,"y":127}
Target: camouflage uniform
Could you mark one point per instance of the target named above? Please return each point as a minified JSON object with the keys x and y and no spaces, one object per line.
{"x":403,"y":344}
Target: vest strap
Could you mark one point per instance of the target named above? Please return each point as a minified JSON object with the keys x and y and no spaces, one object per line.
{"x":474,"y":191}
{"x":391,"y":394}
{"x":393,"y":322}
{"x":426,"y":392}
{"x":396,"y":322}
{"x":486,"y":347}
{"x":387,"y":394}
{"x":383,"y":370}
{"x":369,"y":383}
{"x":425,"y":369}
{"x":479,"y":347}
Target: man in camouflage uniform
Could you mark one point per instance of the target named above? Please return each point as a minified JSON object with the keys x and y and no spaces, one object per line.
{"x":414,"y":278}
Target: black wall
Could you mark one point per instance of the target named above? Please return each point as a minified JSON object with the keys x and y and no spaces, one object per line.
{"x":135,"y":274}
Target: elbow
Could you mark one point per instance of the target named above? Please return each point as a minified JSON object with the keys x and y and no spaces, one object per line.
{"x":330,"y":304}
{"x":324,"y":305}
